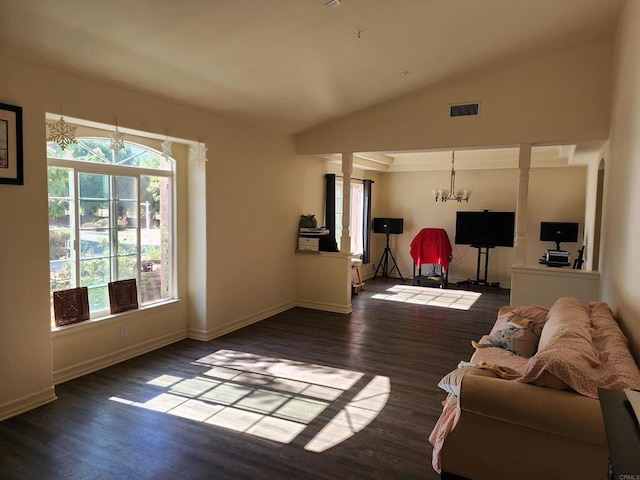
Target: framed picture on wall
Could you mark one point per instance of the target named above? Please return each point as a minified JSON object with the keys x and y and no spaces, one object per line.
{"x":11,"y":169}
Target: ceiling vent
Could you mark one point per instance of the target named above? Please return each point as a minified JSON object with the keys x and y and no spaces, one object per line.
{"x":464,"y":110}
{"x":332,"y":3}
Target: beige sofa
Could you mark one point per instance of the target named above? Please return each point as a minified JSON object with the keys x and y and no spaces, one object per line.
{"x":536,"y":426}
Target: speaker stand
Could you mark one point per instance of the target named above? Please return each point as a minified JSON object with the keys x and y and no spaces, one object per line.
{"x":384,"y":263}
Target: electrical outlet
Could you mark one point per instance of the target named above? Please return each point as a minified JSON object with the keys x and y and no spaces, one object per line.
{"x":123,"y":332}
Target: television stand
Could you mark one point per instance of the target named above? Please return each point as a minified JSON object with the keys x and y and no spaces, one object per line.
{"x":482,"y":250}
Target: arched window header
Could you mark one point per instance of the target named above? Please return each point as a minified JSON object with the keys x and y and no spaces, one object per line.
{"x":98,"y":150}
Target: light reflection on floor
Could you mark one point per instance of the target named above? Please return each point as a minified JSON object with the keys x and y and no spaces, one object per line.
{"x":438,"y":297}
{"x":270,"y":398}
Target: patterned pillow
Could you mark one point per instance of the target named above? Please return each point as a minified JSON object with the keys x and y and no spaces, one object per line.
{"x":520,"y":336}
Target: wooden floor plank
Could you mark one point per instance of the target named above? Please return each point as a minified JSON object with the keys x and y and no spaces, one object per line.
{"x":90,"y":433}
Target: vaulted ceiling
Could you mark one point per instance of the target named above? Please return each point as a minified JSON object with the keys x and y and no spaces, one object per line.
{"x":289,"y":65}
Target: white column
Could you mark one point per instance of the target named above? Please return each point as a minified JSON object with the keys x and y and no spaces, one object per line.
{"x":347,"y":169}
{"x":524,"y":164}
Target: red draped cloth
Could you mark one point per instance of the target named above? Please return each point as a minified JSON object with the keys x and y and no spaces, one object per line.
{"x":431,"y":245}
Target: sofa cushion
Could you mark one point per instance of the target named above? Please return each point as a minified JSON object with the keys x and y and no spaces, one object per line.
{"x":566,"y":317}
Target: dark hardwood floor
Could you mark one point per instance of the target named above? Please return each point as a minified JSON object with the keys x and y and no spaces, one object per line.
{"x":113,"y":424}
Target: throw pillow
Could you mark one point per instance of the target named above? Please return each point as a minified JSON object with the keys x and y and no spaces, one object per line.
{"x":520,"y":336}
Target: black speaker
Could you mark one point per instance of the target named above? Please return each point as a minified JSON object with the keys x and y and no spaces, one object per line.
{"x":388,"y":225}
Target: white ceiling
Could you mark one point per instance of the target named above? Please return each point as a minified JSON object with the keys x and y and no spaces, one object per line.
{"x":289,"y":65}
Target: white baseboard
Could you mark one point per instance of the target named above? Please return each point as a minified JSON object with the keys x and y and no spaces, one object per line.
{"x":28,"y":402}
{"x":110,"y":359}
{"x":327,"y":307}
{"x":206,"y":335}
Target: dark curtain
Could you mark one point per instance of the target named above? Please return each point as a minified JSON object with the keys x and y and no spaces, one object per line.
{"x":366,"y":230}
{"x":330,"y":203}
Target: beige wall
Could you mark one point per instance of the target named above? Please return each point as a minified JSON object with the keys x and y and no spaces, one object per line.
{"x":555,"y":194}
{"x":561,"y":98}
{"x":246,"y":221}
{"x":620,"y":258}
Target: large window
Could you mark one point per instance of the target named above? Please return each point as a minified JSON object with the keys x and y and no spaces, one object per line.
{"x":110,"y":218}
{"x":357,"y":216}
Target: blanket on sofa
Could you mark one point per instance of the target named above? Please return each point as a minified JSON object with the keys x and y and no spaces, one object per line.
{"x":584,"y":349}
{"x":443,"y":426}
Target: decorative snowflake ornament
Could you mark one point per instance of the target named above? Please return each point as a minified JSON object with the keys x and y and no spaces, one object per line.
{"x":61,"y":132}
{"x":117,"y":141}
{"x":198,"y":153}
{"x":166,"y":149}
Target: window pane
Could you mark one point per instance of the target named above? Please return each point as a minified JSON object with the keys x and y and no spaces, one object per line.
{"x":98,"y":150}
{"x":61,"y":274}
{"x":90,"y":150}
{"x":98,"y":298}
{"x":338,"y":213}
{"x":127,"y":267}
{"x":356,"y":222}
{"x":357,"y":217}
{"x":59,"y":182}
{"x":94,"y":272}
{"x":127,"y":213}
{"x":94,"y":243}
{"x":127,"y":241}
{"x":126,"y":188}
{"x":93,"y":186}
{"x":61,"y":233}
{"x":94,"y":205}
{"x":154,"y":233}
{"x":59,"y":213}
{"x":94,"y":214}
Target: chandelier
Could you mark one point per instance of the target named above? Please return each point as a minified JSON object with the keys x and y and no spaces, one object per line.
{"x":451,"y":193}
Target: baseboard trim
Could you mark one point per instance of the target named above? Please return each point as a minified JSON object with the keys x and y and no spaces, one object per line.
{"x":206,"y":335}
{"x":95,"y":364}
{"x":28,"y":402}
{"x":327,"y":307}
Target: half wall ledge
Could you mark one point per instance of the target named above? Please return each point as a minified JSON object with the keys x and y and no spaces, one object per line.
{"x":323,"y":281}
{"x":539,"y":285}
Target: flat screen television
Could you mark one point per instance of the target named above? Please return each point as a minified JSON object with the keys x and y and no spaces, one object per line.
{"x":485,"y":229}
{"x":558,"y":232}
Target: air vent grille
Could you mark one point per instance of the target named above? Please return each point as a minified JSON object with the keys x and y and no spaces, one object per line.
{"x":464,"y":110}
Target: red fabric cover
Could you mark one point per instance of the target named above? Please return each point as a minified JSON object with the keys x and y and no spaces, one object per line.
{"x":431,"y":245}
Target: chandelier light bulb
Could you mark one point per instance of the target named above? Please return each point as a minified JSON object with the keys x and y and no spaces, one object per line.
{"x":452,"y":194}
